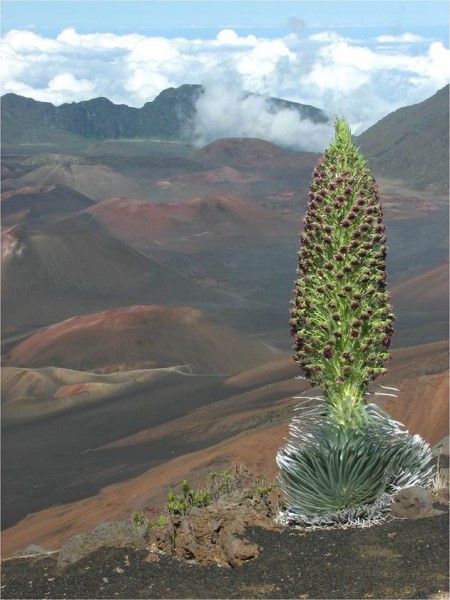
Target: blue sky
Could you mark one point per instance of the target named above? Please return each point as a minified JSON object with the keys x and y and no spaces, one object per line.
{"x":187,"y":18}
{"x":358,"y":59}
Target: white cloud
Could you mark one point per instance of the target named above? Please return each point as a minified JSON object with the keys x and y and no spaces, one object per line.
{"x":64,"y":87}
{"x":99,"y":41}
{"x":228,"y":37}
{"x":25,"y":41}
{"x":223,"y":111}
{"x":326,"y":36}
{"x":401,"y":38}
{"x":362,"y":80}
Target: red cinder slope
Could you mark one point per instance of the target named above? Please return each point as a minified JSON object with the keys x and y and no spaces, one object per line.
{"x":135,"y":337}
{"x":254,"y":152}
{"x":215,"y":220}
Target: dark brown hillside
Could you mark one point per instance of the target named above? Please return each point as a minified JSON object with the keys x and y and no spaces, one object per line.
{"x":72,"y":269}
{"x":40,"y":203}
{"x":412,"y":143}
{"x":421,"y":303}
{"x":134,"y":337}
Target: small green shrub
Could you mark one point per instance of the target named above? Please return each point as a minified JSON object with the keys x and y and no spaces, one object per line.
{"x":218,"y":485}
{"x":158,"y":522}
{"x":138,"y":519}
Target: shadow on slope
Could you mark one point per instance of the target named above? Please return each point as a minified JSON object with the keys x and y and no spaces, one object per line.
{"x":38,"y":204}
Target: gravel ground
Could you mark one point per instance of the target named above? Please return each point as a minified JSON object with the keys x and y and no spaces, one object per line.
{"x":400,"y":559}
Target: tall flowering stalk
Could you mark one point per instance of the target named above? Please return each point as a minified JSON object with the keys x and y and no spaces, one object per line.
{"x":344,"y":458}
{"x":341,"y":317}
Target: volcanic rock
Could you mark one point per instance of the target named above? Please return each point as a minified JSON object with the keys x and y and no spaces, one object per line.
{"x":414,"y":503}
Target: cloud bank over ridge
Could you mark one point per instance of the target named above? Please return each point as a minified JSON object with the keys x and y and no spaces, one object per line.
{"x":222,"y":111}
{"x":360,"y":79}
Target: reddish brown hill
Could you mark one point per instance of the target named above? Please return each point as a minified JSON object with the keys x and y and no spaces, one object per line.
{"x":255,"y":152}
{"x":210,"y":221}
{"x":134,"y":337}
{"x":219,"y":175}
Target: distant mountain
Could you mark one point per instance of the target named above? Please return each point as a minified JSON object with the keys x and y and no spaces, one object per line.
{"x":412,"y":143}
{"x":170,"y":116}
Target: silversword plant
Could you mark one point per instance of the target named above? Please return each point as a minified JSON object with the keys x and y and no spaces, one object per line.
{"x":344,"y":454}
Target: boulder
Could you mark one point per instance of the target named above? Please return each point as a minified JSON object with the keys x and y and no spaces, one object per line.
{"x":442,"y":448}
{"x":237,"y":551}
{"x":216,"y":534}
{"x":414,"y":503}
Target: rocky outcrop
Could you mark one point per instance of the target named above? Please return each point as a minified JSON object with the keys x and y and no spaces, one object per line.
{"x":211,"y":535}
{"x":216,"y":534}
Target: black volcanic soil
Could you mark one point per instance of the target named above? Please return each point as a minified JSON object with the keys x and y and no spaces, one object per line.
{"x":400,"y":559}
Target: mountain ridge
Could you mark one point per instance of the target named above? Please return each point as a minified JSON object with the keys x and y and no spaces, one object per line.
{"x":169,"y":116}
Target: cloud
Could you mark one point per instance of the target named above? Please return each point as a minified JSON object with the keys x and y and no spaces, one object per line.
{"x":401,"y":38}
{"x":326,"y":36}
{"x":362,"y":80}
{"x":228,"y":37}
{"x":225,"y":111}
